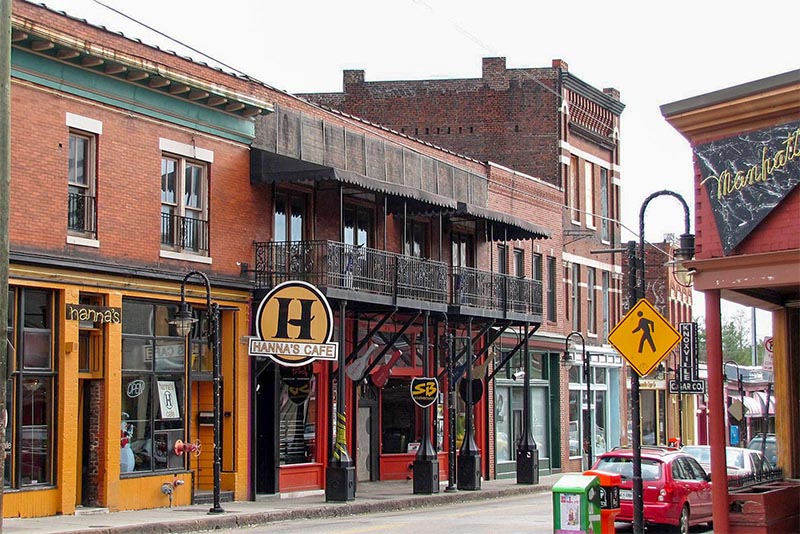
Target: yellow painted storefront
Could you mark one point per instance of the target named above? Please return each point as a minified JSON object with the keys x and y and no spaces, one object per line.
{"x":100,"y":370}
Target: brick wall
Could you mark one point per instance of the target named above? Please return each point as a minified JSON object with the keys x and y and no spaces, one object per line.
{"x":508,"y":115}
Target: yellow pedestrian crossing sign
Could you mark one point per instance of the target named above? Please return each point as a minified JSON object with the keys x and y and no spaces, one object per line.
{"x":644,"y":337}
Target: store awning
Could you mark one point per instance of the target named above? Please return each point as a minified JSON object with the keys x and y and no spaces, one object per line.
{"x":760,"y":402}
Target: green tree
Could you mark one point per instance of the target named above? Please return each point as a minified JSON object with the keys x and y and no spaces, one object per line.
{"x":736,"y":344}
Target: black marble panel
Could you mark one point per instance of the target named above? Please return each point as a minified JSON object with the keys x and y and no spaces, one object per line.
{"x":746,"y":177}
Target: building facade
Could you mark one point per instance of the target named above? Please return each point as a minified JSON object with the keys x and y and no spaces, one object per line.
{"x":548,"y":124}
{"x":746,"y":169}
{"x":136,"y":173}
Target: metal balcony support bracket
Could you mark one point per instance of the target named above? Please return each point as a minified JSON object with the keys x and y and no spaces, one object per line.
{"x":340,"y":476}
{"x":469,"y":456}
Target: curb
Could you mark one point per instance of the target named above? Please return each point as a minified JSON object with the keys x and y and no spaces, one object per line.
{"x":235,"y":520}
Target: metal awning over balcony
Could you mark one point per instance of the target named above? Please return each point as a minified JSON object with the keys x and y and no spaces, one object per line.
{"x":505,"y":226}
{"x":296,"y":147}
{"x":268,"y":167}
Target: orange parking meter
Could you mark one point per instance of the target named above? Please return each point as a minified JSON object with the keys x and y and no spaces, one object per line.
{"x":609,"y":498}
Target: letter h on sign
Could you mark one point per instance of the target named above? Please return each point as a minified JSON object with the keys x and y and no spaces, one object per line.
{"x":304,"y":322}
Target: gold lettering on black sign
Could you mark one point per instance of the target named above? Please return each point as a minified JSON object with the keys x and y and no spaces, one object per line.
{"x":728,"y":182}
{"x":94,"y":314}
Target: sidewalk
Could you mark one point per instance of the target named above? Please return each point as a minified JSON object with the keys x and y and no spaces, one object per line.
{"x":370,"y":497}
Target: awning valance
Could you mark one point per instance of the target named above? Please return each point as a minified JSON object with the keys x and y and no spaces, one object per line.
{"x":505,"y":226}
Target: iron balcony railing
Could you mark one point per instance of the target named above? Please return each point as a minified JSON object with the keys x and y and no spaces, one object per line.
{"x":184,"y":233}
{"x":81,"y":213}
{"x":495,"y":291}
{"x":330,"y":264}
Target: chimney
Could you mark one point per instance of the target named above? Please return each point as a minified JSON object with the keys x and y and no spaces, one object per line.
{"x":494,"y":73}
{"x":560,"y":64}
{"x":613,"y":93}
{"x":351,"y":78}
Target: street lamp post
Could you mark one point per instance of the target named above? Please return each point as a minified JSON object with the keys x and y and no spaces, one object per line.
{"x":684,"y":253}
{"x":183,"y":323}
{"x":587,"y":414}
{"x":740,"y":386}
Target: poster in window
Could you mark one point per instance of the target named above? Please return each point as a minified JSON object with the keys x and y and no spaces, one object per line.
{"x":168,"y":400}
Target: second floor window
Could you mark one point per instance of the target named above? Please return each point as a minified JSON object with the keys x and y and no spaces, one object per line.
{"x":184,"y":205}
{"x":357,"y":226}
{"x":576,"y":297}
{"x":416,"y":245}
{"x":81,"y":202}
{"x":605,"y":213}
{"x":290,"y":215}
{"x":502,"y":259}
{"x":551,"y":288}
{"x":591,"y":303}
{"x":462,"y":251}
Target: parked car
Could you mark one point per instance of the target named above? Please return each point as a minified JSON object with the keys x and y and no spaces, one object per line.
{"x":770,"y":449}
{"x":739,"y":461}
{"x":676,"y":490}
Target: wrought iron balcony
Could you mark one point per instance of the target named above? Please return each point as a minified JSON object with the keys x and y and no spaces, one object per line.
{"x":329,"y":264}
{"x":184,"y":233}
{"x":494,"y":291}
{"x":81,"y":214}
{"x":367,"y":271}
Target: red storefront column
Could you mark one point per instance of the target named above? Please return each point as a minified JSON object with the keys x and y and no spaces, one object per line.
{"x":717,"y":413}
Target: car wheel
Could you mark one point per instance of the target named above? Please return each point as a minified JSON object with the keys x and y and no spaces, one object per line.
{"x":683,"y":521}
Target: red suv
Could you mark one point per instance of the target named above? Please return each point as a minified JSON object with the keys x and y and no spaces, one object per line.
{"x":676,"y":490}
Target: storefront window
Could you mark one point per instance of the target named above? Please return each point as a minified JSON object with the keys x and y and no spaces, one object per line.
{"x":503,"y":438}
{"x":32,"y":382}
{"x":298,"y":415}
{"x":153,"y":389}
{"x":399,"y":416}
{"x":575,"y":423}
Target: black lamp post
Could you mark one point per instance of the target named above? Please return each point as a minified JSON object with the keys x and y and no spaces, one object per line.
{"x":426,"y":463}
{"x":527,"y":451}
{"x":183,"y":323}
{"x":740,"y":386}
{"x":587,"y":414}
{"x":684,"y":253}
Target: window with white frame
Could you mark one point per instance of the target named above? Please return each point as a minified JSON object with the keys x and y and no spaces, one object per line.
{"x":589,"y":191}
{"x":81,"y":190}
{"x":591,"y":302}
{"x":184,"y":198}
{"x":573,"y":197}
{"x":606,"y":286}
{"x":576,"y":296}
{"x":605,"y":223}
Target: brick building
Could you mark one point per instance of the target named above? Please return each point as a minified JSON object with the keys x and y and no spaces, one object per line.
{"x":136,"y":173}
{"x":549,"y":124}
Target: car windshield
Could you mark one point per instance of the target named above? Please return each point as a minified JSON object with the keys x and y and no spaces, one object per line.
{"x":701,"y":454}
{"x":651,"y":469}
{"x":735,"y":457}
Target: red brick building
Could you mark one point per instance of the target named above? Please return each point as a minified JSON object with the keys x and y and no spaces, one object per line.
{"x":551,"y":125}
{"x":133,"y":169}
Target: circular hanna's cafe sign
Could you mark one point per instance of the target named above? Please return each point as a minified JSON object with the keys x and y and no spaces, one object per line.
{"x":294,"y":325}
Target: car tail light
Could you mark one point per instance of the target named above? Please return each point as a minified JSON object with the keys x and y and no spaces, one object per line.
{"x":662,"y":495}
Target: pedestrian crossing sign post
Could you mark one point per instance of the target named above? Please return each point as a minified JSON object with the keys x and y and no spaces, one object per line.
{"x":644,"y":337}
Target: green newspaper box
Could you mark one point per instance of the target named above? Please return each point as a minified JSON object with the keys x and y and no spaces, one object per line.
{"x":576,"y":505}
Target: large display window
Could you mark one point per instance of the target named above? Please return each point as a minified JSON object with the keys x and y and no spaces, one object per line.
{"x":30,"y":389}
{"x":153,"y":387}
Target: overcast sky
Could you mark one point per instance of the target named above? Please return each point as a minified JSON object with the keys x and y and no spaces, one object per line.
{"x":653,"y":53}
